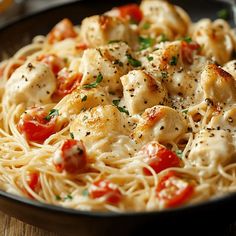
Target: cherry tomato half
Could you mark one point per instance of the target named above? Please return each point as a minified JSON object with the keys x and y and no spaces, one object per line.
{"x":159,"y":157}
{"x":64,"y":29}
{"x":173,"y":190}
{"x":34,"y":125}
{"x":71,"y":157}
{"x":66,"y":83}
{"x":104,"y":188}
{"x":131,"y":12}
{"x":53,"y":61}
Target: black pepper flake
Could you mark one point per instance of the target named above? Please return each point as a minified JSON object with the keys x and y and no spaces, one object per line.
{"x":30,"y":66}
{"x":209,"y":102}
{"x":230,"y":120}
{"x":162,"y":127}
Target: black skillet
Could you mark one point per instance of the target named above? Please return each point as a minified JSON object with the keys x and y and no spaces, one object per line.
{"x":209,"y":218}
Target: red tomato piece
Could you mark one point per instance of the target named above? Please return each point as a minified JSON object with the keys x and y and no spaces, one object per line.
{"x":53,"y":61}
{"x":187,"y":50}
{"x":34,"y":181}
{"x":64,"y":29}
{"x":66,"y":83}
{"x":81,"y":46}
{"x":173,"y":190}
{"x":2,"y":71}
{"x":131,"y":12}
{"x":71,"y":157}
{"x":104,"y":188}
{"x":34,"y":125}
{"x":159,"y":157}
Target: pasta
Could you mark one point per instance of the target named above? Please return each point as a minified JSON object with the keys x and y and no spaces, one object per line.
{"x":133,"y":110}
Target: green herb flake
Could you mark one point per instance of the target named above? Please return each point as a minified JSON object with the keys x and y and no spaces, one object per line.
{"x":150,"y":58}
{"x":114,"y":41}
{"x":185,"y":111}
{"x":121,"y":109}
{"x":132,"y":61}
{"x":145,"y":43}
{"x":58,"y":198}
{"x":72,"y":135}
{"x":118,"y":62}
{"x":85,"y":192}
{"x":164,"y":74}
{"x":84,"y":98}
{"x":95,"y":84}
{"x":173,"y":61}
{"x":163,"y":38}
{"x":223,"y":14}
{"x":187,"y":39}
{"x":85,"y":118}
{"x":52,"y":113}
{"x":68,"y":197}
{"x":179,"y":153}
{"x":146,"y":25}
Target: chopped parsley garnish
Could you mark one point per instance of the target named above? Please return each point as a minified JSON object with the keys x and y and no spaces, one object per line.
{"x":95,"y":84}
{"x":173,"y":61}
{"x":146,"y":25}
{"x":72,"y":135}
{"x":115,"y":41}
{"x":185,"y":111}
{"x":58,"y":198}
{"x":132,"y":61}
{"x":116,"y":102}
{"x":68,"y":197}
{"x":150,"y":58}
{"x":84,"y":98}
{"x":187,"y":39}
{"x":121,"y":109}
{"x":85,"y":118}
{"x":118,"y":62}
{"x":223,"y":14}
{"x":164,"y":74}
{"x":179,"y":153}
{"x":145,"y":43}
{"x":52,"y":113}
{"x":163,"y":38}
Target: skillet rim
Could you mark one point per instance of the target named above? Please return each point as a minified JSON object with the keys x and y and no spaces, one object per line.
{"x":211,"y":203}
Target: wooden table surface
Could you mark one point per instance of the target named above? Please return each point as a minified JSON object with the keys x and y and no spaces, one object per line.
{"x":10,"y":226}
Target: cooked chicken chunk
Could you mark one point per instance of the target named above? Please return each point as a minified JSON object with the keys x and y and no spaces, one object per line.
{"x":31,"y":83}
{"x":142,"y":91}
{"x":159,"y":123}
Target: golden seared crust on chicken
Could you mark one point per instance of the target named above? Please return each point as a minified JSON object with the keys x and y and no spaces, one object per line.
{"x":159,"y":123}
{"x":142,"y":91}
{"x":218,"y":85}
{"x":215,"y":38}
{"x":100,"y":30}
